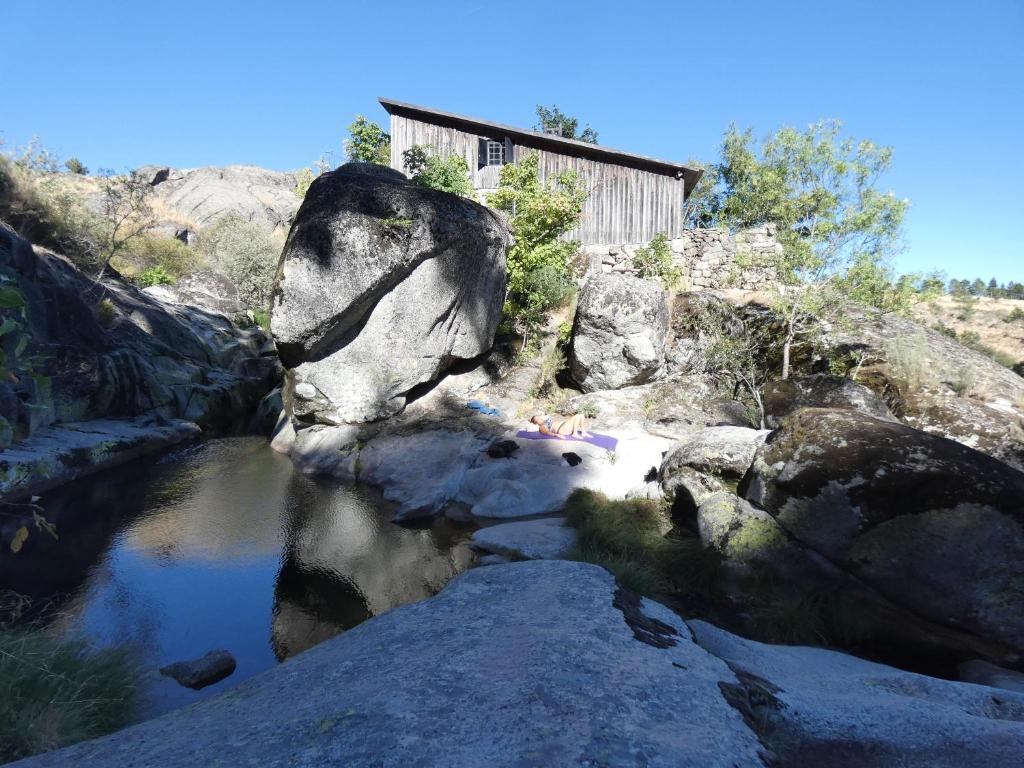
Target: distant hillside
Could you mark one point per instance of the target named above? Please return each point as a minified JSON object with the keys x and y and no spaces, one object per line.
{"x":988,"y":318}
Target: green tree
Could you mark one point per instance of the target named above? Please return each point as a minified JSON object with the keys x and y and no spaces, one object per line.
{"x":367,"y":142}
{"x":127,"y":214}
{"x":449,"y":174}
{"x":247,"y":253}
{"x":74,"y":165}
{"x":541,"y":212}
{"x":820,"y":189}
{"x":553,"y":120}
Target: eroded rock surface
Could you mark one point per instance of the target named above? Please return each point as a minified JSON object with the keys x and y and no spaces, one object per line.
{"x":781,"y":398}
{"x":383,"y":285}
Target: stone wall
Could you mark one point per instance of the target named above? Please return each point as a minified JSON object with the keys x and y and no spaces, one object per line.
{"x":707,"y":258}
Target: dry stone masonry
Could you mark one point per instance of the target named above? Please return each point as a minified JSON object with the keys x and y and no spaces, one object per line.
{"x":707,"y":258}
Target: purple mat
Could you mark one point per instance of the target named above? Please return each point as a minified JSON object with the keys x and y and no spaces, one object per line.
{"x":601,"y":441}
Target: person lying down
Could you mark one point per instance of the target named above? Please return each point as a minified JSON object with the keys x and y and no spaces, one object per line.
{"x":562,"y":426}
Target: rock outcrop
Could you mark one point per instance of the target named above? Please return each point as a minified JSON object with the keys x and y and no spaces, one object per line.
{"x":83,"y":350}
{"x":207,"y":290}
{"x":550,"y":663}
{"x":618,"y":338}
{"x":194,"y":198}
{"x":382,"y":285}
{"x":928,"y":523}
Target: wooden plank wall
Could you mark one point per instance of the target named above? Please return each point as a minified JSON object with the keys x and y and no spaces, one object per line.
{"x":624,"y":205}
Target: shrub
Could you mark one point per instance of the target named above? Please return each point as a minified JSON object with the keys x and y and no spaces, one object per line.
{"x":46,"y":212}
{"x":145,"y":254}
{"x":74,"y":165}
{"x":154,"y":276}
{"x":1016,"y":316}
{"x":106,"y":312}
{"x":55,"y":692}
{"x":655,"y":260}
{"x":538,"y":261}
{"x":449,"y":174}
{"x":908,"y":361}
{"x":304,"y":179}
{"x":626,"y":537}
{"x":964,"y":381}
{"x":247,"y":253}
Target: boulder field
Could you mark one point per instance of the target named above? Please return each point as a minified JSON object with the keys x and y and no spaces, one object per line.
{"x":551,"y":663}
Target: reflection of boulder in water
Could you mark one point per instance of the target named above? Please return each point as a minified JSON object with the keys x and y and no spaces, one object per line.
{"x":312,"y":605}
{"x":346,"y":561}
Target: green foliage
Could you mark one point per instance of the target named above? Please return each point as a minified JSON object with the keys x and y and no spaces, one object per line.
{"x":367,"y":142}
{"x":625,"y":536}
{"x":836,"y":227}
{"x":538,"y":261}
{"x":247,"y":253}
{"x":155,"y":255}
{"x":449,"y":174}
{"x":154,"y":276}
{"x":55,"y":692}
{"x":553,"y":120}
{"x":305,"y":177}
{"x":262,"y":319}
{"x":1016,"y":316}
{"x":74,"y":165}
{"x":655,"y":260}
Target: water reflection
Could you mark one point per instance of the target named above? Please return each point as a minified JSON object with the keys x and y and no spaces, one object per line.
{"x":224,"y":545}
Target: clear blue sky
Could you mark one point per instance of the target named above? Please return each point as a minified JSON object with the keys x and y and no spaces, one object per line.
{"x":184,"y":83}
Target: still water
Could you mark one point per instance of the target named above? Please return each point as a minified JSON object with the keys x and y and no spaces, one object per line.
{"x":222,"y":544}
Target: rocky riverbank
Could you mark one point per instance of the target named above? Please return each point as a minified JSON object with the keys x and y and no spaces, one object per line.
{"x":551,"y":663}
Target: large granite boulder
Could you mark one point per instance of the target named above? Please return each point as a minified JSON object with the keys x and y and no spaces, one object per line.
{"x":107,"y":350}
{"x":382,"y":285}
{"x":551,"y":663}
{"x":619,"y":334}
{"x":932,"y":525}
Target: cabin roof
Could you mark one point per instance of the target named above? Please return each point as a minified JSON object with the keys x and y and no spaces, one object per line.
{"x":546,"y":141}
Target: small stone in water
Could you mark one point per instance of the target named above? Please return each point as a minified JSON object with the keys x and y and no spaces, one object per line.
{"x":199,"y":673}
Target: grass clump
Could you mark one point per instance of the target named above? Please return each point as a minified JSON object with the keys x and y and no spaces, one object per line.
{"x":627,"y":538}
{"x":796,"y":615}
{"x":56,"y":691}
{"x":908,"y":361}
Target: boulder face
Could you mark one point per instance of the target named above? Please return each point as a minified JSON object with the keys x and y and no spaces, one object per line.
{"x":820,"y":391}
{"x":708,"y":461}
{"x":619,"y":334}
{"x":382,"y":285}
{"x":932,"y":525}
{"x":207,"y":290}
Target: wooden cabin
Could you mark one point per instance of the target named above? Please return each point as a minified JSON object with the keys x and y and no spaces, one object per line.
{"x":631,"y":197}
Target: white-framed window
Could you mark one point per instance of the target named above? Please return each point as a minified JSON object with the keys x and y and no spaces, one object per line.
{"x":495,"y":152}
